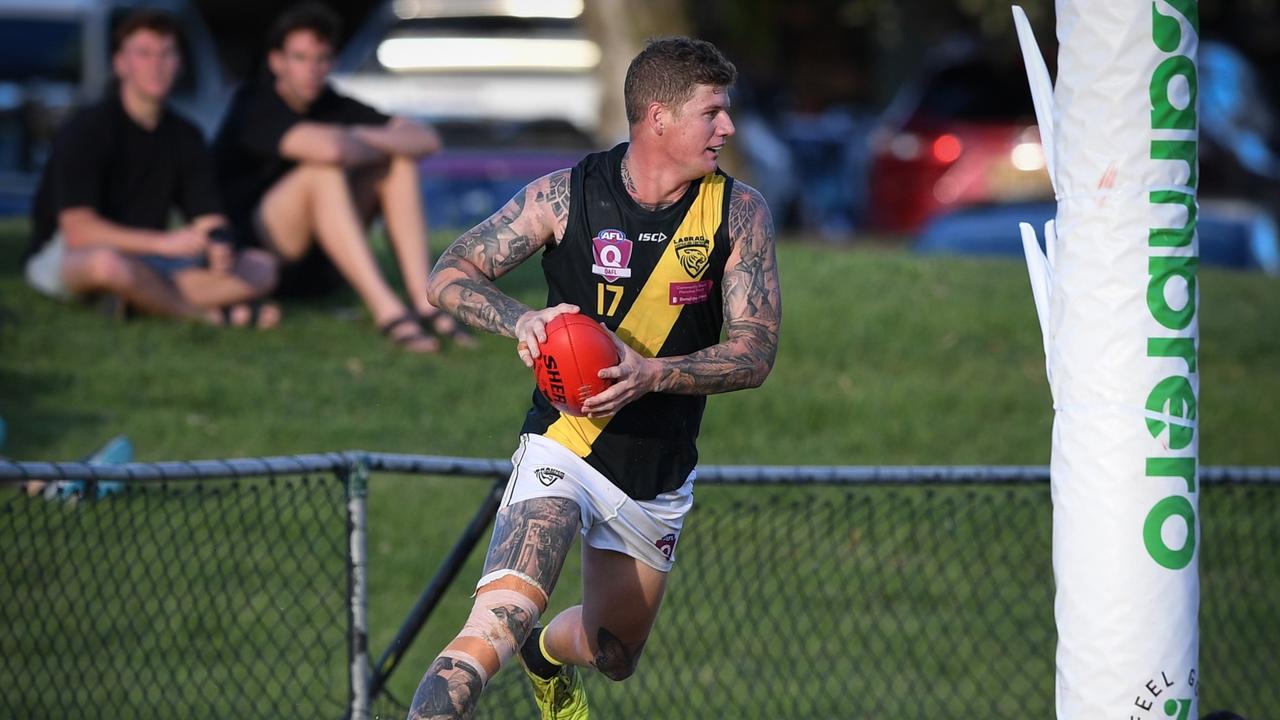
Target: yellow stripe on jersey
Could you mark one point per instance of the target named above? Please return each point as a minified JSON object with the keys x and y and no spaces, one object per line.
{"x":651,"y":317}
{"x":577,"y":433}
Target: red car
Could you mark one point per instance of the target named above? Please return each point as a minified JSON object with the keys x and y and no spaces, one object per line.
{"x":963,"y":133}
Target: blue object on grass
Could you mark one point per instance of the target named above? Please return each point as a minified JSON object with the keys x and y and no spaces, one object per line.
{"x":117,"y":451}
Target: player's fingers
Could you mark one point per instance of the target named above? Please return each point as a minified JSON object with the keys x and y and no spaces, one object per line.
{"x":525,"y":353}
{"x":622,"y":372}
{"x":611,"y":399}
{"x":600,"y":406}
{"x":549,"y":314}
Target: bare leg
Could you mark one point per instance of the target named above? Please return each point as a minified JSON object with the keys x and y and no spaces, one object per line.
{"x":315,"y":201}
{"x":531,"y":538}
{"x":400,"y":194}
{"x":105,"y":270}
{"x":253,"y":276}
{"x":621,"y":598}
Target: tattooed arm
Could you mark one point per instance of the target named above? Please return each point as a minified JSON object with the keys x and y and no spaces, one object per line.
{"x":753,"y":317}
{"x":462,"y":281}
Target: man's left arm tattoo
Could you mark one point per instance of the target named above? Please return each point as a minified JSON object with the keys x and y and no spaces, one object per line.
{"x":752,"y":307}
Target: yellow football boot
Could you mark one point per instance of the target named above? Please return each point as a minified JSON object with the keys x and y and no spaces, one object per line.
{"x":563,"y":697}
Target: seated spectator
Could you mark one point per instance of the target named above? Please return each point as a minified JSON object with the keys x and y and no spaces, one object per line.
{"x":304,"y":171}
{"x":117,"y":170}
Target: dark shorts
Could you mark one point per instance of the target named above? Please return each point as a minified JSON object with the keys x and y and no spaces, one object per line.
{"x":310,"y":276}
{"x":167,"y":267}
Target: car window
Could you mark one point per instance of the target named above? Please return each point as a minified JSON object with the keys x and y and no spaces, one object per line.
{"x":40,"y":49}
{"x":977,"y":92}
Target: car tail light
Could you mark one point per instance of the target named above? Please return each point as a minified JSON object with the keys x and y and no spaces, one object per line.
{"x":947,"y":148}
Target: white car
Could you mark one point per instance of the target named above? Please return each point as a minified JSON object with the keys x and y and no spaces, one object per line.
{"x":475,"y":60}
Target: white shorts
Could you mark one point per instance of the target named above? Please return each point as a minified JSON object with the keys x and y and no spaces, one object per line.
{"x":44,"y":269}
{"x":646,"y":530}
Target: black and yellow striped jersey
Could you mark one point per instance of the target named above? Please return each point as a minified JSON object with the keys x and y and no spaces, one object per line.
{"x":653,"y":277}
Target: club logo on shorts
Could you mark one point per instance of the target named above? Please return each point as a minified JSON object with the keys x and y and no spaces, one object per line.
{"x":547,"y":475}
{"x":693,"y":253}
{"x":667,"y":545}
{"x":611,"y":251}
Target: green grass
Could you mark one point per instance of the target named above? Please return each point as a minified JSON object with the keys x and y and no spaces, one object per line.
{"x":886,"y":358}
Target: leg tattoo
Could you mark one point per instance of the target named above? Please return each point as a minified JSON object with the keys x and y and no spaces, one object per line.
{"x":613,"y":659}
{"x":448,"y":691}
{"x":533,"y":538}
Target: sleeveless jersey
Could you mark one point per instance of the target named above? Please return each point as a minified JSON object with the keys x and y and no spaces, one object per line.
{"x":654,"y":279}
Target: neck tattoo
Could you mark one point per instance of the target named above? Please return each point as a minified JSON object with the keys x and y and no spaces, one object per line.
{"x":630,"y":184}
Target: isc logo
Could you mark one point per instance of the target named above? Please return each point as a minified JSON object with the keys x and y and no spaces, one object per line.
{"x":653,"y":237}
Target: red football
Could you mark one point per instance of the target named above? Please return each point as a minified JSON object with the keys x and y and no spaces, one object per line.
{"x":577,"y":348}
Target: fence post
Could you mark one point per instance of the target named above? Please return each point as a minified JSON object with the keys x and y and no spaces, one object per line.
{"x":435,"y":589}
{"x":357,"y":483}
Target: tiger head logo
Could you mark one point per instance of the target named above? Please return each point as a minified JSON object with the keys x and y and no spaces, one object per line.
{"x":693,"y":253}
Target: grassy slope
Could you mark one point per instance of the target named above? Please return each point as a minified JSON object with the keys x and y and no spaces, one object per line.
{"x":886,"y":358}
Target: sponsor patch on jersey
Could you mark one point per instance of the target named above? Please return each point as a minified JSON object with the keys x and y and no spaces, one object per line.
{"x":653,"y":237}
{"x":547,"y":475}
{"x":693,"y":252}
{"x":666,"y":545}
{"x":688,"y":293}
{"x":611,"y":251}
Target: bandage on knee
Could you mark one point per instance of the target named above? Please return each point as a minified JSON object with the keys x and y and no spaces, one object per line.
{"x":506,"y":573}
{"x":501,"y":618}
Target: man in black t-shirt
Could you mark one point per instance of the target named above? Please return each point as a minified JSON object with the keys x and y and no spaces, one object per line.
{"x":303,"y":167}
{"x":100,"y":220}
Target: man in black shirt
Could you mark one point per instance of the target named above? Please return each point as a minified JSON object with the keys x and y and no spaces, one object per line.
{"x":302,"y":166}
{"x":101,"y":214}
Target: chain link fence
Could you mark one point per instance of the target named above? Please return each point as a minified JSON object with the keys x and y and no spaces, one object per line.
{"x":220,"y":597}
{"x":226,"y":590}
{"x":906,"y":593}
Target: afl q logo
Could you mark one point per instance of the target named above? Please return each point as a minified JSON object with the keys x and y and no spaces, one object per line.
{"x":611,"y":252}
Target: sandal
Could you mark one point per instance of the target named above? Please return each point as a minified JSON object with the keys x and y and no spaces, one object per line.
{"x":413,"y":338}
{"x":451,"y":329}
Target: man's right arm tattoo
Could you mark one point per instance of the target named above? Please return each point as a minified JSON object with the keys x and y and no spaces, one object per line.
{"x":462,"y":281}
